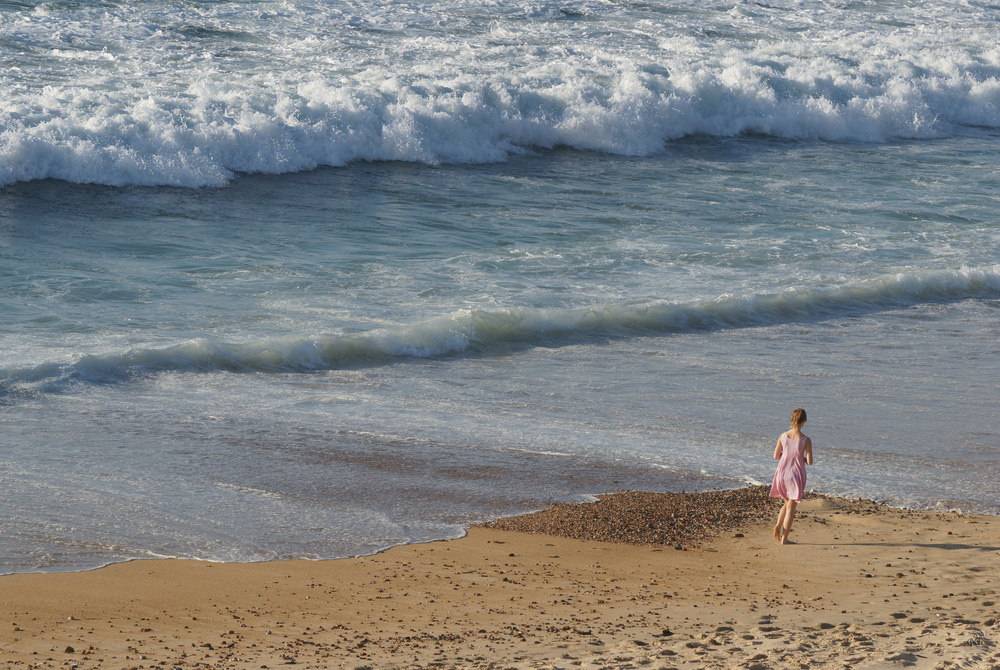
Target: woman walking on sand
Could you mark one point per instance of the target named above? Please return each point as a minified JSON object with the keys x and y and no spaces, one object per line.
{"x":793,"y":452}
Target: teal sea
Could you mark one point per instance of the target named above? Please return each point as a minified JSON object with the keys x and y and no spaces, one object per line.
{"x":313,"y":279}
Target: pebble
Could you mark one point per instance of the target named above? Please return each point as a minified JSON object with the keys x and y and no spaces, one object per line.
{"x":675,"y":520}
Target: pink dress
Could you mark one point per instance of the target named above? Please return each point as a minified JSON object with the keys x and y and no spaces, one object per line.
{"x":790,"y":477}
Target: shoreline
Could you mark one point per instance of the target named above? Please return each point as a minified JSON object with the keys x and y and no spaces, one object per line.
{"x":863,"y":585}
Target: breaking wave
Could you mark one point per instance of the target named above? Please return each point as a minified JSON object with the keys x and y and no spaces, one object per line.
{"x":487,"y":332}
{"x":151,"y":95}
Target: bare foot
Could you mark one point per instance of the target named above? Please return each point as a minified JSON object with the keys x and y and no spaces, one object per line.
{"x":777,"y":533}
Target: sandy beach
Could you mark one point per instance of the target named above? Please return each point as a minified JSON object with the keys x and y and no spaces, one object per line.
{"x":863,"y":586}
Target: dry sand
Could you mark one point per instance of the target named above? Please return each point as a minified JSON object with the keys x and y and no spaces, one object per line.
{"x":862,"y":587}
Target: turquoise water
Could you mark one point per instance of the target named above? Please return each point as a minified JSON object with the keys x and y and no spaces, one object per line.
{"x":327,"y":363}
{"x":421,"y":265}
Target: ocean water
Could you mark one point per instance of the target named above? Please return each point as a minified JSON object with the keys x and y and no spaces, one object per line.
{"x":310,"y":279}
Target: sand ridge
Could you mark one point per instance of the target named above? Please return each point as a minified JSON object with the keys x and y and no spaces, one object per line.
{"x":864,"y":586}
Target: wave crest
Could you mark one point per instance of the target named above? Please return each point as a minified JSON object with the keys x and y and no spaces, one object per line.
{"x":488,"y":332}
{"x":208,"y":119}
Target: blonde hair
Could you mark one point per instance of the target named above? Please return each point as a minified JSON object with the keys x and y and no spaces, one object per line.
{"x":798,"y":416}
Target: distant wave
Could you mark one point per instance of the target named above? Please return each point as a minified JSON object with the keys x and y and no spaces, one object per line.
{"x":486,"y":332}
{"x":94,"y":120}
{"x":134,"y":140}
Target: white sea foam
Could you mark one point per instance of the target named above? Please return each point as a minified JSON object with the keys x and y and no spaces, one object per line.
{"x":177,"y":96}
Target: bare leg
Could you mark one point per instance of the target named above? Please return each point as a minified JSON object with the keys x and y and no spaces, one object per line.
{"x":788,"y":514}
{"x":781,"y":521}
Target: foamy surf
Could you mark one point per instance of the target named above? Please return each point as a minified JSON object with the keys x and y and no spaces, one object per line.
{"x":173,"y":95}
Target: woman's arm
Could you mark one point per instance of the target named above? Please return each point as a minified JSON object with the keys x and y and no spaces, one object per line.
{"x":777,"y":449}
{"x":809,"y":451}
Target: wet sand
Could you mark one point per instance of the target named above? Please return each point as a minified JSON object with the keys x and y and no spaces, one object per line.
{"x":863,"y":586}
